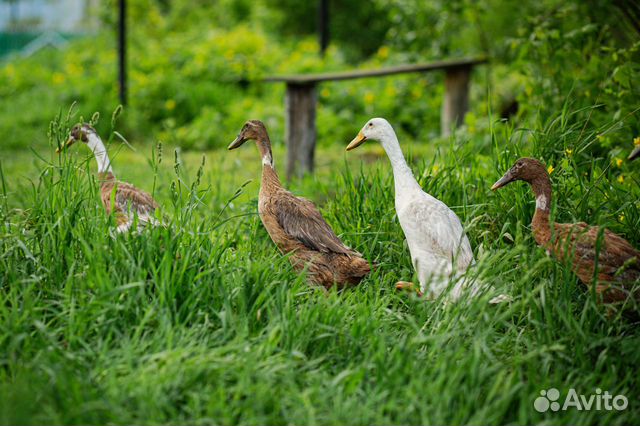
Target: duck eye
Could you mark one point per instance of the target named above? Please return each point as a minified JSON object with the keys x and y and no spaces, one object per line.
{"x":370,"y":124}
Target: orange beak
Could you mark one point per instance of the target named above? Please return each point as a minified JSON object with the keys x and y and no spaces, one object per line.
{"x":357,"y":141}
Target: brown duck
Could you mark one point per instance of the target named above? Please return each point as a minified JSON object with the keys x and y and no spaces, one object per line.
{"x":296,"y":226}
{"x":124,"y":199}
{"x":618,"y":263}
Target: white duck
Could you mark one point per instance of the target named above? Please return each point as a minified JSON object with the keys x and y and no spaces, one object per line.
{"x":440,"y":249}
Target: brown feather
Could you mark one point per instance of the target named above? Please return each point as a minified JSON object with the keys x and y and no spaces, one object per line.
{"x":586,"y":248}
{"x":618,"y":263}
{"x":297,"y":228}
{"x":127,"y":200}
{"x":301,"y":220}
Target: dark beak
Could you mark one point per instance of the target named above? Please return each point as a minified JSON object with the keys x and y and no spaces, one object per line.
{"x":69,"y":142}
{"x":504,"y":180}
{"x":635,"y":153}
{"x":237,"y":142}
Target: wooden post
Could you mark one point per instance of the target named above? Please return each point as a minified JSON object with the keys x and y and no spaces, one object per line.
{"x":122,"y":50}
{"x":323,"y":25}
{"x":456,"y":98}
{"x":300,"y":105}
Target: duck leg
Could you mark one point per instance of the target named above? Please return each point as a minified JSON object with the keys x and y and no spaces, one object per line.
{"x":408,"y":286}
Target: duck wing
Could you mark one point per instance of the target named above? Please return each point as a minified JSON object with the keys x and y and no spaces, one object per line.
{"x":613,"y":252}
{"x":128,"y":199}
{"x":300,"y":219}
{"x":430,"y":225}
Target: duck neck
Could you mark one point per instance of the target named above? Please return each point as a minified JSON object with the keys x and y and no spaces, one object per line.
{"x":402,"y":175}
{"x":100,"y":152}
{"x":269,"y":175}
{"x":540,"y":224}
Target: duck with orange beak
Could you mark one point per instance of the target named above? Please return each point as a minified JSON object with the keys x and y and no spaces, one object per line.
{"x":440,"y":250}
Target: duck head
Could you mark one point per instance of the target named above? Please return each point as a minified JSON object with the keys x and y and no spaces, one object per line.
{"x":255,"y":130}
{"x":79,"y":132}
{"x":252,"y":130}
{"x":375,"y":129}
{"x":526,"y":169}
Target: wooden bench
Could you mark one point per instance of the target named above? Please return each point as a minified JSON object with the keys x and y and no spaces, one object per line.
{"x":301,"y":99}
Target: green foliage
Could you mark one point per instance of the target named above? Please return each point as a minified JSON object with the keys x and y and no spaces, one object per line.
{"x":567,"y":58}
{"x":544,"y":54}
{"x":203,"y":321}
{"x":358,"y":27}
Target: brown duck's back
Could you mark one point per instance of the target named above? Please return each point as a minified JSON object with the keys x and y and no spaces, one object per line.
{"x":618,"y":262}
{"x":297,"y":228}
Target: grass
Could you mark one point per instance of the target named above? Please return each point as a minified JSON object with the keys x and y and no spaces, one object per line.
{"x":204,"y":322}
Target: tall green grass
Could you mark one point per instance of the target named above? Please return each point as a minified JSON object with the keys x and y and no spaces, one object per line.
{"x":202,"y":321}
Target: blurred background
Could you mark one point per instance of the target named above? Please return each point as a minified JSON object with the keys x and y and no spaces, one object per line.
{"x":194,"y":67}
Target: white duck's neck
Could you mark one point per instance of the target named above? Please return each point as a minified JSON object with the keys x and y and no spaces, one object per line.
{"x":402,"y":174}
{"x":95,"y":144}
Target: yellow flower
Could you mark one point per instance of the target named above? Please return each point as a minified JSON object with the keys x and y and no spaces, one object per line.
{"x":73,"y":69}
{"x":621,"y":217}
{"x":57,"y":78}
{"x":569,"y":152}
{"x":308,"y":46}
{"x":170,"y":104}
{"x":621,"y":179}
{"x":435,"y":169}
{"x":139,"y":78}
{"x":550,"y":169}
{"x":11,"y":70}
{"x":636,"y":141}
{"x":325,"y":93}
{"x":383,"y":52}
{"x":618,"y":162}
{"x":390,"y":91}
{"x":368,"y":98}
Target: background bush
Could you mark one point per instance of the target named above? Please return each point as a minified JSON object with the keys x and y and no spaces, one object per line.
{"x":195,"y":68}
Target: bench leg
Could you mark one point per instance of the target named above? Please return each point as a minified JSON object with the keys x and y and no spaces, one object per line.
{"x":300,"y":105}
{"x":456,"y":99}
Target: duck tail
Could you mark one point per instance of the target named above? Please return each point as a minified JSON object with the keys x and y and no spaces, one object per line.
{"x":358,"y":268}
{"x":361,"y":266}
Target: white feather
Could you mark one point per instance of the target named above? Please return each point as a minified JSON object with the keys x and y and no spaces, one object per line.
{"x":100,"y":152}
{"x":440,"y":249}
{"x":541,"y":202}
